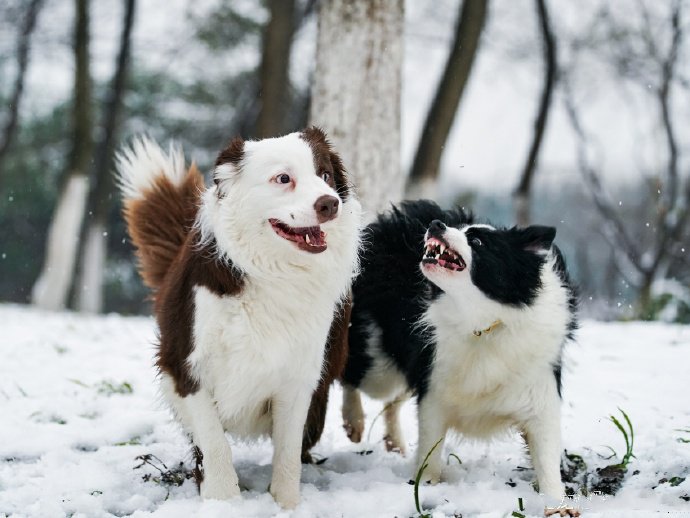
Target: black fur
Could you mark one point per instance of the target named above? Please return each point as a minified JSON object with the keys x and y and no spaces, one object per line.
{"x":573,"y":300}
{"x":505,"y":266}
{"x":392,"y":292}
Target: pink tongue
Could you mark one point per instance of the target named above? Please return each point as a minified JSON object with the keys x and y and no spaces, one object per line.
{"x":446,"y":264}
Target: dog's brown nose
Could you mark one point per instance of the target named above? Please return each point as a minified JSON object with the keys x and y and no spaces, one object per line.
{"x":326,"y":208}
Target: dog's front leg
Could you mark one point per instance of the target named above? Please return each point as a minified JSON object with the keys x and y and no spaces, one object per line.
{"x":289,"y":411}
{"x":432,"y":430}
{"x":220,"y":480}
{"x":543,"y":436}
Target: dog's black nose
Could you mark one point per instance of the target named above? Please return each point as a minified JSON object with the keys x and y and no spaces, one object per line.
{"x":326,"y":208}
{"x":436,"y":227}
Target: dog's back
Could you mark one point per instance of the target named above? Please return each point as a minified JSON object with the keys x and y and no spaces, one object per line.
{"x":391,"y":292}
{"x":161,"y":200}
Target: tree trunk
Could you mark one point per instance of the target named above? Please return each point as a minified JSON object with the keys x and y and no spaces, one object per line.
{"x":644,"y":298}
{"x":89,"y":289}
{"x":275,"y":62}
{"x":356,"y":93}
{"x":439,"y":120}
{"x":523,"y":191}
{"x":23,"y":46}
{"x":52,"y":287}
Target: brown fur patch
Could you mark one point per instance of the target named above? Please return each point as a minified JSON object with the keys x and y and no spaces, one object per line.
{"x":334,"y":362}
{"x":327,"y":160}
{"x":233,"y":153}
{"x":194,"y":266}
{"x":172,"y":263}
{"x":159,"y":223}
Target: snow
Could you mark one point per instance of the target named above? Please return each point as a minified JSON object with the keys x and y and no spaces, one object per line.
{"x":79,"y":403}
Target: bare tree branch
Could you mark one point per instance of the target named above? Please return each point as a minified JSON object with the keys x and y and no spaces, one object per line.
{"x":595,"y":187}
{"x":522,"y":193}
{"x":663,"y":94}
{"x":23,"y":46}
{"x":439,"y":121}
{"x":638,"y":55}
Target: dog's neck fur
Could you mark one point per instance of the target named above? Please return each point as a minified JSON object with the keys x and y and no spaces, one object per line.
{"x":525,"y":333}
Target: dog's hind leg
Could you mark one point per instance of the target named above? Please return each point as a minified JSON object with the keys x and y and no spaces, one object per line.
{"x":316,"y":419}
{"x":335,"y":358}
{"x":394,"y":439}
{"x":289,"y":411}
{"x":353,"y":413}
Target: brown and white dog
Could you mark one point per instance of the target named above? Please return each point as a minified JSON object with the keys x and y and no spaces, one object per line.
{"x":247,"y":277}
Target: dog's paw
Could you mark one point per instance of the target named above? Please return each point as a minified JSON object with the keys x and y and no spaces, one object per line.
{"x":354,"y":430}
{"x":561,"y":511}
{"x":431,"y":478}
{"x":219,"y":488}
{"x":394,"y":444}
{"x":307,"y":458}
{"x":285,"y":498}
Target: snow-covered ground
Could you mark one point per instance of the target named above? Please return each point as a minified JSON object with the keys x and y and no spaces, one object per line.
{"x":78,"y":404}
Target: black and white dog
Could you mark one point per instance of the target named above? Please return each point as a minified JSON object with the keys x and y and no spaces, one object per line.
{"x":479,"y":346}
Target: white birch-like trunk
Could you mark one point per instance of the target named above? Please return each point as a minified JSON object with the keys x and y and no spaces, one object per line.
{"x":356,"y":95}
{"x":52,"y":287}
{"x":90,"y":285}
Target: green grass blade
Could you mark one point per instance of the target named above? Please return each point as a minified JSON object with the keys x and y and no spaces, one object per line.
{"x":418,"y":478}
{"x":632,"y":433}
{"x":625,"y":436}
{"x":455,"y":457}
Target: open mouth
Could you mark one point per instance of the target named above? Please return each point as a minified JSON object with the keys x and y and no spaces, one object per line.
{"x":309,"y":239}
{"x":437,"y":251}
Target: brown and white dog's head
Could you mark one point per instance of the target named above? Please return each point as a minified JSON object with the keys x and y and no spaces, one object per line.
{"x":281,"y":201}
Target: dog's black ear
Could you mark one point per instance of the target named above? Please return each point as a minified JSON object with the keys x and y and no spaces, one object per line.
{"x":232,"y":155}
{"x":537,"y":238}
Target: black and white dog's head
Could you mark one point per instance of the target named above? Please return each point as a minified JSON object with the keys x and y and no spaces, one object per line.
{"x":281,"y":201}
{"x":480,"y":261}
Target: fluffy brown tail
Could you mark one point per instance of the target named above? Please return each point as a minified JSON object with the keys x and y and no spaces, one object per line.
{"x":161,"y":199}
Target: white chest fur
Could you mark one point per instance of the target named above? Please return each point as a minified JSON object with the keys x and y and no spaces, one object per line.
{"x":501,"y":377}
{"x":248,"y":347}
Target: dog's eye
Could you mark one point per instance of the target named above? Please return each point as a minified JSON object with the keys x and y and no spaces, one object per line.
{"x":283,"y":178}
{"x":476,"y":241}
{"x":326,"y":176}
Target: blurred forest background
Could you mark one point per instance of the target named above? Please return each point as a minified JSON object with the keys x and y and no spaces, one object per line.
{"x":573,"y":114}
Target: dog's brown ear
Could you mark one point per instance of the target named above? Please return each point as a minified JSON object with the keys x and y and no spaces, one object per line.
{"x":233,"y":155}
{"x":315,"y":135}
{"x":321,"y":147}
{"x":339,"y":175}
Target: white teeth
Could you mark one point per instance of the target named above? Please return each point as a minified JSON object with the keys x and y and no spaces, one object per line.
{"x":306,"y":238}
{"x":443,"y":248}
{"x":438,"y":256}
